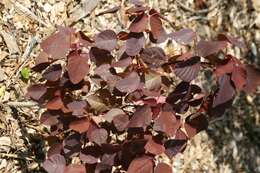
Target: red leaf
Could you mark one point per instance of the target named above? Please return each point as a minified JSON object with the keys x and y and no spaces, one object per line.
{"x":188,"y":70}
{"x":139,"y":24}
{"x":167,"y":123}
{"x":36,"y":91}
{"x":153,"y":56}
{"x":121,"y":122}
{"x":142,"y":164}
{"x":163,"y":168}
{"x":227,"y":66}
{"x":55,"y":104}
{"x":154,"y":148}
{"x":77,"y":107}
{"x":206,"y":48}
{"x":109,"y":116}
{"x":49,"y":119}
{"x":253,"y":79}
{"x":58,"y":44}
{"x":157,"y":30}
{"x":141,"y":118}
{"x":184,"y":36}
{"x":123,"y":62}
{"x":225,"y":93}
{"x":55,"y":164}
{"x":80,"y":125}
{"x":99,"y":136}
{"x":106,"y":40}
{"x":239,"y":77}
{"x":232,"y":40}
{"x":104,"y":72}
{"x":134,"y":43}
{"x":53,"y":73}
{"x":129,"y":84}
{"x":77,"y":67}
{"x":73,"y":168}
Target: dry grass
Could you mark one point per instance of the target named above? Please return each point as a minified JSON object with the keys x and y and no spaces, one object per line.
{"x":230,"y":145}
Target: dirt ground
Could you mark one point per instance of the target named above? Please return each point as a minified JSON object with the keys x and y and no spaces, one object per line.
{"x":231,"y":144}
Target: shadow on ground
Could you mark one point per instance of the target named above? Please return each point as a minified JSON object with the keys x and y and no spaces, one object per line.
{"x":236,"y":137}
{"x":34,"y":148}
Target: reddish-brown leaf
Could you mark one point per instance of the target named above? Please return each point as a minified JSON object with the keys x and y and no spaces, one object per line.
{"x":232,"y":40}
{"x":154,"y":148}
{"x":53,"y":73}
{"x":109,"y":116}
{"x":77,"y":107}
{"x":49,"y":119}
{"x":141,"y":118}
{"x":99,"y":136}
{"x":188,"y":70}
{"x":167,"y":123}
{"x":55,"y":103}
{"x":55,"y":164}
{"x":80,"y":125}
{"x":183,"y":36}
{"x":134,"y":43}
{"x":77,"y":67}
{"x":58,"y":44}
{"x":153,"y":56}
{"x":106,"y":40}
{"x":139,"y":24}
{"x":129,"y":84}
{"x":73,"y":168}
{"x":239,"y":77}
{"x":226,"y":67}
{"x":226,"y":91}
{"x":206,"y":48}
{"x":157,"y":30}
{"x":121,"y":122}
{"x":163,"y":168}
{"x":36,"y":91}
{"x":142,"y":164}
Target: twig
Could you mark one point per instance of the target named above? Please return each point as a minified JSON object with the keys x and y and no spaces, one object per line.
{"x":22,"y":104}
{"x":15,"y":156}
{"x":27,"y":12}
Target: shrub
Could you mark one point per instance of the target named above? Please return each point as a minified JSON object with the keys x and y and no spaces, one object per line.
{"x":113,"y":102}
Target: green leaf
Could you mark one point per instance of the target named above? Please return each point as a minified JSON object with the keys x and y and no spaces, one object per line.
{"x":25,"y":73}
